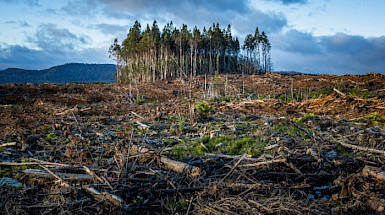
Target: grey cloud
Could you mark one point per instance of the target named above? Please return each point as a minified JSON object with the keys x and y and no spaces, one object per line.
{"x":296,"y":42}
{"x":343,"y":43}
{"x":28,"y":2}
{"x":80,"y":7}
{"x":26,"y":58}
{"x":19,"y":23}
{"x":336,"y":54}
{"x":110,"y":28}
{"x":138,"y":5}
{"x":287,"y":2}
{"x":157,"y":9}
{"x":268,"y":22}
{"x":50,"y":37}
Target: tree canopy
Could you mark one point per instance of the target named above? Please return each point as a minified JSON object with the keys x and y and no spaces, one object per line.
{"x":151,"y":54}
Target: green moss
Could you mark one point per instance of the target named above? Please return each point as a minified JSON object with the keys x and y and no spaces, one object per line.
{"x":375,"y":118}
{"x":232,"y":146}
{"x":253,"y":146}
{"x":50,"y":138}
{"x":139,"y":101}
{"x":309,"y":115}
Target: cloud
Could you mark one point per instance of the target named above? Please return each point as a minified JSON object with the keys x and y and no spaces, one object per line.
{"x":26,"y":58}
{"x":171,"y":5}
{"x":21,"y":24}
{"x":80,"y":7}
{"x":51,"y":38}
{"x":268,"y":22}
{"x":28,"y":2}
{"x":335,"y":54}
{"x":201,"y":13}
{"x":296,"y":42}
{"x":110,"y":29}
{"x":287,"y":2}
{"x":51,"y":46}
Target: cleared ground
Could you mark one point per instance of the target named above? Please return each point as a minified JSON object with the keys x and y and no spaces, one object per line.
{"x":271,"y":144}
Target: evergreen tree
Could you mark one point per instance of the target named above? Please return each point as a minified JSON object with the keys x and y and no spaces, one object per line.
{"x":152,"y":54}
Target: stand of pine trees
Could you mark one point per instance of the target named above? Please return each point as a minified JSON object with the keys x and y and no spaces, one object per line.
{"x":151,"y":55}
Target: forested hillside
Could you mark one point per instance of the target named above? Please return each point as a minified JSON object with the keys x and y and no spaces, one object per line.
{"x":152,"y":54}
{"x":67,"y":73}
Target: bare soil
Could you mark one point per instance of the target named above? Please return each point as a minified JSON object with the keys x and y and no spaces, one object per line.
{"x":272,"y":144}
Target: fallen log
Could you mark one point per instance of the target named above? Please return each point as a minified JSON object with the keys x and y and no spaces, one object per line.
{"x":65,"y":176}
{"x":105,"y":196}
{"x":168,"y":163}
{"x":180,"y":167}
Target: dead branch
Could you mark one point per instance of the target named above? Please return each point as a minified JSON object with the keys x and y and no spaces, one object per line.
{"x":260,"y":206}
{"x":49,"y":163}
{"x":374,"y":172}
{"x":90,"y":172}
{"x":313,"y":153}
{"x":339,"y":92}
{"x":62,"y":181}
{"x":264,"y":163}
{"x":17,"y":164}
{"x":247,"y":157}
{"x":8,"y":144}
{"x":365,"y":149}
{"x":65,"y":176}
{"x":235,"y":165}
{"x":137,"y":115}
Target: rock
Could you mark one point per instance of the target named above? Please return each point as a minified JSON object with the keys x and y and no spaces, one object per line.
{"x":10,"y":182}
{"x":331,"y":155}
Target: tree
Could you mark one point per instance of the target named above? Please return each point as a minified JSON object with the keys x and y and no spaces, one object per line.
{"x":152,"y":55}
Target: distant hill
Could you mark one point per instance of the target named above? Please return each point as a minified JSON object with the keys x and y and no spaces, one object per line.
{"x":67,"y":73}
{"x":288,"y":72}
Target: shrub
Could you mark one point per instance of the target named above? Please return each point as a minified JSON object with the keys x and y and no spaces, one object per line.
{"x":375,"y":118}
{"x":203,"y":108}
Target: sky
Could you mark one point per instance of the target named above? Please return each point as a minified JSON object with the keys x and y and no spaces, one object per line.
{"x":310,"y":36}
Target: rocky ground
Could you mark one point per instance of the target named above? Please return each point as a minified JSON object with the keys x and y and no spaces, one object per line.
{"x":270,"y":144}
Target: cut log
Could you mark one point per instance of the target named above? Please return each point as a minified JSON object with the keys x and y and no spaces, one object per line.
{"x":271,"y":147}
{"x":105,"y":196}
{"x":376,"y":173}
{"x":180,"y":167}
{"x":168,"y":163}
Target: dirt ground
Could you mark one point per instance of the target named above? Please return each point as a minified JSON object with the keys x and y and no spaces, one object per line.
{"x":271,"y":144}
